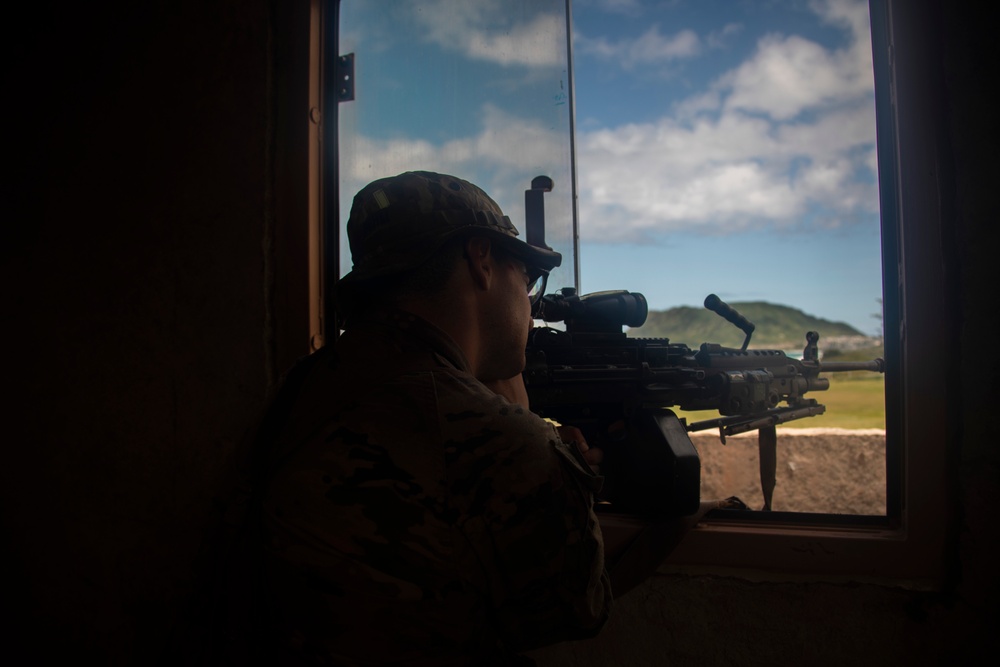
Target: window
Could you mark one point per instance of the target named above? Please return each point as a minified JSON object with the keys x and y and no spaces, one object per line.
{"x":729,"y":148}
{"x":910,"y":546}
{"x":490,"y":76}
{"x":480,"y":90}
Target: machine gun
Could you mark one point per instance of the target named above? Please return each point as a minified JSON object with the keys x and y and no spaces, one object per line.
{"x":618,"y":391}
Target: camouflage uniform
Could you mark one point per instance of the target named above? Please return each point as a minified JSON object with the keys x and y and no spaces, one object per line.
{"x":411,"y":516}
{"x":418,"y":518}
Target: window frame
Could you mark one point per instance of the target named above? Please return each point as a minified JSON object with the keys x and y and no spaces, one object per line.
{"x":910,"y":547}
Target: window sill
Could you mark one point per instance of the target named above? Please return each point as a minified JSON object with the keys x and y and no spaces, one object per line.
{"x":802,"y":548}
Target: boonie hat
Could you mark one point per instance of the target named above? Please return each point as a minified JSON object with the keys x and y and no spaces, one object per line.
{"x":397,"y":223}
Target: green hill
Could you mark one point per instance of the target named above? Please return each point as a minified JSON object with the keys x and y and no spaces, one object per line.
{"x":777,"y":326}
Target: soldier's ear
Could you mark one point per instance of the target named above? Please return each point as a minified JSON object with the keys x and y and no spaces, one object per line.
{"x":480,"y":261}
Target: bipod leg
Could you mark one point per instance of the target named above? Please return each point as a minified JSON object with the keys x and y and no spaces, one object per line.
{"x":767,"y":445}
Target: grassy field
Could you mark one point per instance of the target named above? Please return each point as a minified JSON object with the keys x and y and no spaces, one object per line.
{"x":851,"y":402}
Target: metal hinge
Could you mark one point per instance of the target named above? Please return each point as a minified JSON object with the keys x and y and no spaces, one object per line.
{"x":345,"y":78}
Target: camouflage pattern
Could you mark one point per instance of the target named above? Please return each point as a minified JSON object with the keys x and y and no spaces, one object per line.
{"x":396,"y":223}
{"x":414,"y":517}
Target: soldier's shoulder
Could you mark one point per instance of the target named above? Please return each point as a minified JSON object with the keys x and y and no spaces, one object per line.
{"x":461,"y":393}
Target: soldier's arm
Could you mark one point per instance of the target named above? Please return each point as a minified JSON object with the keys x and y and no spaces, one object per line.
{"x":529,"y":517}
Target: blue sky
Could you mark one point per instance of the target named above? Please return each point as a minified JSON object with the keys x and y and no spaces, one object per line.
{"x":728,"y":147}
{"x":722,"y":147}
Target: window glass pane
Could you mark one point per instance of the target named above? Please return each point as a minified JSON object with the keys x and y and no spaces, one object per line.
{"x":722,"y":147}
{"x":475,"y":88}
{"x":729,"y":148}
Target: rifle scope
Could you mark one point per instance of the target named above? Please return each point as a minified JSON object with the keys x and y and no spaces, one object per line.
{"x":599,"y":311}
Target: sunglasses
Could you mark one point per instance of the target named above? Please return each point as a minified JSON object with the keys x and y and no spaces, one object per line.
{"x":537,"y":280}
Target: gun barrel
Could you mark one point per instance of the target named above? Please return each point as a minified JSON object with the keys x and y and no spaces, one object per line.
{"x":877,"y":365}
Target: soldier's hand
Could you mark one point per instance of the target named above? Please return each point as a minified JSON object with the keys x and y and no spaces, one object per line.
{"x":571,"y":435}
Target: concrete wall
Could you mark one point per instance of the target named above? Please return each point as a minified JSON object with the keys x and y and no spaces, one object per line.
{"x":154,"y":263}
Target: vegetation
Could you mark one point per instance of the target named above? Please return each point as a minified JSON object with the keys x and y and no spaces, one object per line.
{"x":855,"y":400}
{"x":861,"y":354}
{"x":778,"y":326}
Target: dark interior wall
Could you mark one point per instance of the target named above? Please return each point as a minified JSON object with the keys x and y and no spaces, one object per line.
{"x":149,"y":270}
{"x":970,"y":72}
{"x":154,"y":262}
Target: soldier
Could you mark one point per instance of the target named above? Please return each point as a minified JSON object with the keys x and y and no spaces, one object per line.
{"x":414,"y":511}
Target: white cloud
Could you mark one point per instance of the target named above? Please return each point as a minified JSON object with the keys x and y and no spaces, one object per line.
{"x":789,"y":130}
{"x":487,"y":31}
{"x":786,"y":136}
{"x":847,"y":14}
{"x":871,"y":160}
{"x":708,"y":101}
{"x":788,"y":75}
{"x":717,"y":176}
{"x":504,"y":141}
{"x":650,"y":47}
{"x":719,"y":39}
{"x":501,"y":158}
{"x":645,"y":179}
{"x":831,"y":133}
{"x":626,"y":7}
